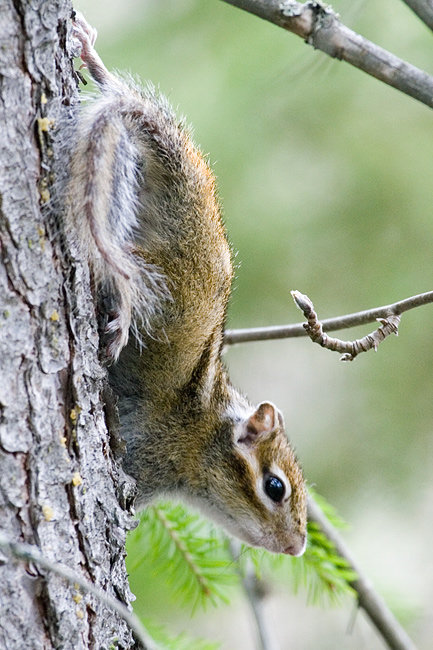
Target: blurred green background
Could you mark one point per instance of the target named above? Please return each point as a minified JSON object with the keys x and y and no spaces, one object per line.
{"x":325,"y":175}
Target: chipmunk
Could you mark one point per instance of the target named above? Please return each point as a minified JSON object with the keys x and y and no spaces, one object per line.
{"x":144,"y":204}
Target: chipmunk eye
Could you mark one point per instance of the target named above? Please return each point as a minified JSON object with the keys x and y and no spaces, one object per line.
{"x":274,"y":488}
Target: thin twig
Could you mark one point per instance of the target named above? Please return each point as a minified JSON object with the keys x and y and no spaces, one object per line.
{"x":255,"y":592}
{"x":320,"y":27}
{"x":423,"y":9}
{"x":349,"y":349}
{"x":27,"y":553}
{"x":329,"y":324}
{"x":370,"y":601}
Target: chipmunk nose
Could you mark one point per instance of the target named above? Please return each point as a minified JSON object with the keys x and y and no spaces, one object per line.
{"x":297,"y":548}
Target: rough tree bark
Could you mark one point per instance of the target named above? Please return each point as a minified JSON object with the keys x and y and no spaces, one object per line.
{"x":60,"y":484}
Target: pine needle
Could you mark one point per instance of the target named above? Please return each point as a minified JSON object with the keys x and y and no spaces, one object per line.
{"x":186,"y":552}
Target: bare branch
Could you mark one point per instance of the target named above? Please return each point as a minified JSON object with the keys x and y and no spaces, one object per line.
{"x":370,"y":601}
{"x":320,"y":27}
{"x":381,"y":617}
{"x":254,"y":591}
{"x":423,"y":9}
{"x":27,"y":553}
{"x":350,"y":349}
{"x":328,"y":324}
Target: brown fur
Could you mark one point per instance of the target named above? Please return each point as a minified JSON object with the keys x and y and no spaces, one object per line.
{"x":150,"y":222}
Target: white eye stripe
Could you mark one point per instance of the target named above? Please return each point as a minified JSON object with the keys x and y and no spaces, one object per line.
{"x":281,"y":476}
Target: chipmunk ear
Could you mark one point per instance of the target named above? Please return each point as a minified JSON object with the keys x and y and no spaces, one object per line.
{"x":265,"y":419}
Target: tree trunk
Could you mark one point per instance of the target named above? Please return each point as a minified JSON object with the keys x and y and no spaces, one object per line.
{"x":59,"y":481}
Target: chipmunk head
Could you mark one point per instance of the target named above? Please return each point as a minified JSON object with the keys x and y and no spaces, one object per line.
{"x":257,"y":490}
